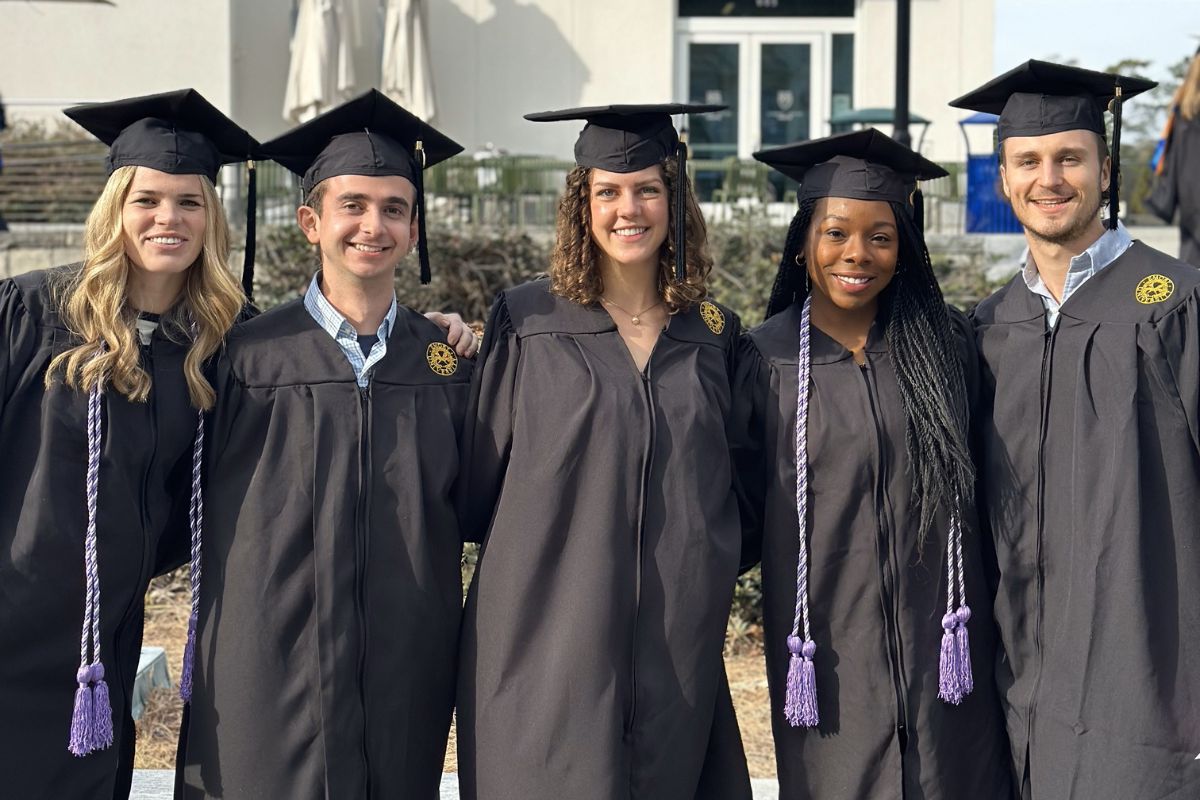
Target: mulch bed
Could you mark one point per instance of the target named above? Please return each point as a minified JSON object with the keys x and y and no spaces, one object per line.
{"x":167,"y":605}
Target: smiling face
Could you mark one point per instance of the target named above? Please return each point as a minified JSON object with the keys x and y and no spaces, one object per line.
{"x":629,"y":213}
{"x":365,"y":226}
{"x":852,"y":250}
{"x":1055,"y":184}
{"x":163,"y":222}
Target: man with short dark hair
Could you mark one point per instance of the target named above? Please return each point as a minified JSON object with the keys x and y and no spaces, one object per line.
{"x":331,"y":596}
{"x":1089,"y":437}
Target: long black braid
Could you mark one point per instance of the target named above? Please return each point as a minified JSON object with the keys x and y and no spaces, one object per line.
{"x":925,"y":356}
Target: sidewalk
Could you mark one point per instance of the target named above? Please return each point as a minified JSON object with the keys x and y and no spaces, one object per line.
{"x":157,"y":784}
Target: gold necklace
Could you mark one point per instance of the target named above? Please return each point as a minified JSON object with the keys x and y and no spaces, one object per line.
{"x":636,"y":319}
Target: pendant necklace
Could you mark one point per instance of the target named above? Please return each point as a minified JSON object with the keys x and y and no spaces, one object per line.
{"x":636,"y":319}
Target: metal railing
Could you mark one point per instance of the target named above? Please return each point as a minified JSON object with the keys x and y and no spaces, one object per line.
{"x":57,"y":182}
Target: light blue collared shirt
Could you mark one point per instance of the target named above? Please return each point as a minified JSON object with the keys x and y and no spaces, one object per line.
{"x":333,"y":323}
{"x":1105,"y":250}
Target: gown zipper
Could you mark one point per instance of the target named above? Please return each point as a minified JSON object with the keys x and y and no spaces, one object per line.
{"x":889,"y":571}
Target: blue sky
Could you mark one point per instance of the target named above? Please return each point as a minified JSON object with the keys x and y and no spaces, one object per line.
{"x":1096,"y":33}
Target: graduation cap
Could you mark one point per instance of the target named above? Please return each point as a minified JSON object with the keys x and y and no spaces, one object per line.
{"x":1039,"y":98}
{"x":368,"y":135}
{"x":179,"y":133}
{"x":863,"y":165}
{"x":628,"y":138}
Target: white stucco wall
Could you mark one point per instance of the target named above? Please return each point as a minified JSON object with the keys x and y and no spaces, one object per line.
{"x":260,"y":32}
{"x":495,"y":60}
{"x":951,"y":51}
{"x":57,"y":54}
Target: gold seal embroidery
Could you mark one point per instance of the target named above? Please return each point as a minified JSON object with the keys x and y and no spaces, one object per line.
{"x":441,"y":359}
{"x":1154,"y":289}
{"x":712,"y":317}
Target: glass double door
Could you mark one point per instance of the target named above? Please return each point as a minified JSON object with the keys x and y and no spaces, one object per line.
{"x":774,"y":85}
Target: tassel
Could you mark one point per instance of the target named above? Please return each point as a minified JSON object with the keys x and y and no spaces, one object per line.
{"x":102,"y":732}
{"x":966,"y":681}
{"x":196,"y":521}
{"x":189,"y":657}
{"x":83,"y":718}
{"x":949,"y":688}
{"x":419,"y":184}
{"x":1114,"y":177}
{"x":251,"y":222}
{"x":681,"y":154}
{"x":800,"y":706}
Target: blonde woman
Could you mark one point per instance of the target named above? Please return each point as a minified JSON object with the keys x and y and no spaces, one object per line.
{"x":102,"y":396}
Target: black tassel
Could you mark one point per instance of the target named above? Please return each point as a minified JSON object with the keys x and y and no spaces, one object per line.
{"x":681,"y":211}
{"x":1114,"y":198}
{"x":251,"y":221}
{"x":419,"y":182}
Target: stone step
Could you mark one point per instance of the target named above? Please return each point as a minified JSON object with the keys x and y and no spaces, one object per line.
{"x":152,"y":673}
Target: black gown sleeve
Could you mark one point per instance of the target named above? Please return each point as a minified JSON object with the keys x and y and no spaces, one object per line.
{"x":487,"y":439}
{"x":751,"y":390}
{"x":18,"y":339}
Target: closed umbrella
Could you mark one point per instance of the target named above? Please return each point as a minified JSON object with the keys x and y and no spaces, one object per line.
{"x":321,"y":71}
{"x":406,"y":76}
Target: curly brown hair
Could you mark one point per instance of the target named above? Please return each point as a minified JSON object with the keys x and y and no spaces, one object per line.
{"x":574,"y":267}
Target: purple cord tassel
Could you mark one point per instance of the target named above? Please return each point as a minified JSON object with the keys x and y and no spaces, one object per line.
{"x":102,"y":732}
{"x":91,"y":720}
{"x":800,"y":705}
{"x":962,"y":656}
{"x":196,"y":520}
{"x":949,"y":686}
{"x":189,"y":657}
{"x":83,"y":718}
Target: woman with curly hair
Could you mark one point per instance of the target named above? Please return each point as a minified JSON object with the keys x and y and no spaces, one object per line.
{"x":102,"y":396}
{"x":597,"y":475}
{"x":860,"y":376}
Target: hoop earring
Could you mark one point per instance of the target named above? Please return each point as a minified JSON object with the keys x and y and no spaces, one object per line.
{"x":799,"y":258}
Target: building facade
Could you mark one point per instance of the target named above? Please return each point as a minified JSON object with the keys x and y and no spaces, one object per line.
{"x":785,"y":67}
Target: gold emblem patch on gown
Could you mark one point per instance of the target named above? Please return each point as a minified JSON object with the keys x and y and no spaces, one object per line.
{"x":712,"y":317}
{"x":441,"y":359}
{"x":1154,"y":289}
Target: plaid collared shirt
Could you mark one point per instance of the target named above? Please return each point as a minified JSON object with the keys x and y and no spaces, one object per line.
{"x":344,"y":333}
{"x":1104,"y":251}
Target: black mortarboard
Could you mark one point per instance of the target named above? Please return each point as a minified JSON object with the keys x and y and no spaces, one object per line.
{"x":369,"y":135}
{"x":863,"y":165}
{"x":178,"y":132}
{"x":1039,"y":98}
{"x":628,"y":138}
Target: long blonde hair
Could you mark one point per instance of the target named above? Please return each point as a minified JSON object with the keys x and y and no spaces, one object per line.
{"x":574,"y":265}
{"x":1188,"y":96}
{"x":93,"y":302}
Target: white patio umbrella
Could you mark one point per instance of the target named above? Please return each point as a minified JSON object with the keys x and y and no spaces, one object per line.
{"x":406,"y":75}
{"x":321,"y":71}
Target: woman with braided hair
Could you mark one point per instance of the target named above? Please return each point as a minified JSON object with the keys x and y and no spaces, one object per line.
{"x":103,"y":390}
{"x":877,"y":614}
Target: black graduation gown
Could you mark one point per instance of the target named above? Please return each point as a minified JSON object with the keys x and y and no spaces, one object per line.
{"x":145,"y":472}
{"x":593,"y":632}
{"x":331,"y":591}
{"x":1183,"y":167}
{"x":1091,"y":474}
{"x":876,"y":598}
